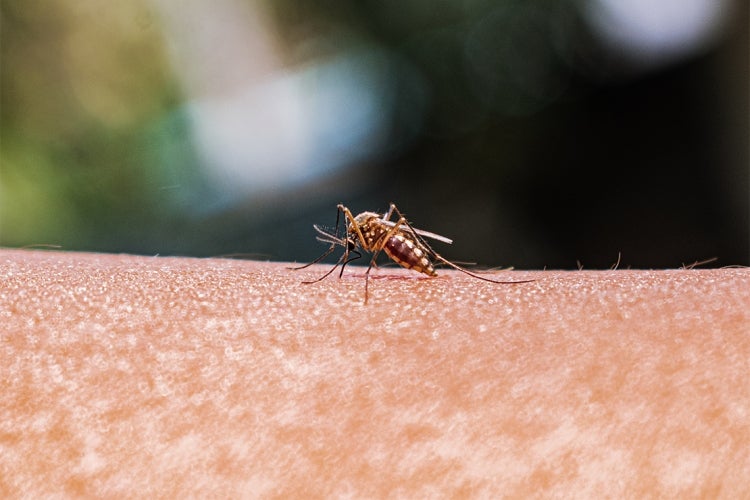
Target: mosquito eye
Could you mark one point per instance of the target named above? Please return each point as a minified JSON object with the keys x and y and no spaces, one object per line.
{"x":350,"y":245}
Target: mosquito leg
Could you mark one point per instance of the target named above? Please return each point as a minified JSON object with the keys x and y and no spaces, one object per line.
{"x":375,"y":254}
{"x":442,"y":259}
{"x":338,"y":215}
{"x":389,"y":213}
{"x":402,"y":220}
{"x":342,"y":259}
{"x":333,"y":246}
{"x":367,"y":283}
{"x":352,"y":222}
{"x":466,"y":271}
{"x":384,"y":240}
{"x":367,"y":279}
{"x":348,"y":261}
{"x":326,"y":254}
{"x":376,"y":251}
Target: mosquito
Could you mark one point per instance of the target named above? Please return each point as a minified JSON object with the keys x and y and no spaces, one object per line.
{"x":371,"y":232}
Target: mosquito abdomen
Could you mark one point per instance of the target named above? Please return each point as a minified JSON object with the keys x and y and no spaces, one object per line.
{"x":409,"y":254}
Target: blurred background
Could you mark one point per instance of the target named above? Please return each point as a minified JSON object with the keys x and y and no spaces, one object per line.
{"x":550,"y":133}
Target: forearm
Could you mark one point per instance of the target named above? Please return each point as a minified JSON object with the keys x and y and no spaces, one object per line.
{"x":157,"y":376}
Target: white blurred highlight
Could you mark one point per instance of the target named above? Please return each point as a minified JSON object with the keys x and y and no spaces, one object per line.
{"x":293,"y":128}
{"x":654,"y":32}
{"x":258,"y":125}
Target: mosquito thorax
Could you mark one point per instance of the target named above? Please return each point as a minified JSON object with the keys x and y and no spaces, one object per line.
{"x":366,"y":217}
{"x":371,"y":227}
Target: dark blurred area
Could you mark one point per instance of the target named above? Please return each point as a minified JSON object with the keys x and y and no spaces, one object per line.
{"x":549,"y":134}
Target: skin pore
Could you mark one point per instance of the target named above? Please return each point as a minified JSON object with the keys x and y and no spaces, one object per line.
{"x":153,"y":376}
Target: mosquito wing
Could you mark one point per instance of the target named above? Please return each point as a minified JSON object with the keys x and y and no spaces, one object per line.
{"x":420,"y":232}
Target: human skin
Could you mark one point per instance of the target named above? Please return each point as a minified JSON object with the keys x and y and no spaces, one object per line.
{"x":127,"y":376}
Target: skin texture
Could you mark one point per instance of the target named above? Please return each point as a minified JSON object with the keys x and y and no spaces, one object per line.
{"x":158,"y":377}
